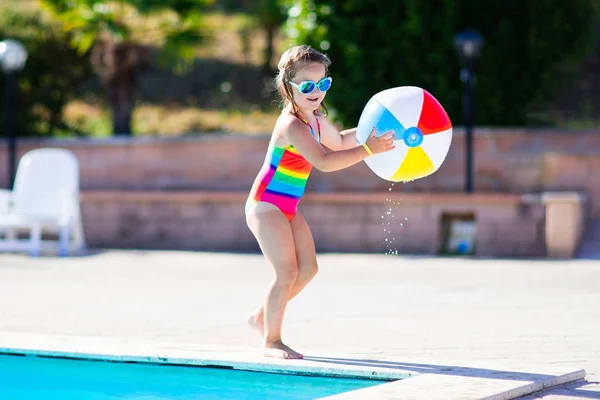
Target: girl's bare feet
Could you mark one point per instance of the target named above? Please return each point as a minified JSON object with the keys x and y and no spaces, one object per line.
{"x":256,"y":322}
{"x":277,"y":349}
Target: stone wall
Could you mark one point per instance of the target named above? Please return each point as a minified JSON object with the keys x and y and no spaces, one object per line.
{"x":507,"y":225}
{"x":188,"y":193}
{"x":506,"y":161}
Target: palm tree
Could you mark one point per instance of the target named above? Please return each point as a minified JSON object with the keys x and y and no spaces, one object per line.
{"x":267,"y":16}
{"x":270,"y":14}
{"x":120,"y":36}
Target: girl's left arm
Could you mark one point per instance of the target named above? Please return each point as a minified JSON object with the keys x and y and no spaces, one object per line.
{"x":336,"y":140}
{"x":348,"y":138}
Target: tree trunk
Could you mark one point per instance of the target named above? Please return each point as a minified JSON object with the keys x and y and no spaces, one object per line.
{"x":118,"y":65}
{"x":268,"y":56}
{"x":121,"y":99}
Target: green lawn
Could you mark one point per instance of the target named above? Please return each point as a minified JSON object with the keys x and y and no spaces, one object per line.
{"x":171,"y":121}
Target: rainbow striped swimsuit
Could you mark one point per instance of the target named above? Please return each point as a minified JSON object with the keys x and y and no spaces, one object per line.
{"x":282,"y":178}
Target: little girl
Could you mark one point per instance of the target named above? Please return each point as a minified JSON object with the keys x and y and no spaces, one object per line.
{"x":302,"y":138}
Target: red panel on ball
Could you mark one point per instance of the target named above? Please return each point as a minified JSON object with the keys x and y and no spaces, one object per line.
{"x":433,"y":117}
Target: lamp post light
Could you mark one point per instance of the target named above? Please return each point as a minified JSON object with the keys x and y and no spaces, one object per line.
{"x":468,"y":44}
{"x":13,"y":56}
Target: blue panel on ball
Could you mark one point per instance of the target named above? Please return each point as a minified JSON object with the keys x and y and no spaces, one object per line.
{"x":376,"y":115}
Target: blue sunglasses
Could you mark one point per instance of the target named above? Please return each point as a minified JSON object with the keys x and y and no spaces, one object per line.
{"x":307,"y":87}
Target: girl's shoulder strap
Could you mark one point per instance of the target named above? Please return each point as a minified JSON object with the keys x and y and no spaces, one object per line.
{"x":312,"y":131}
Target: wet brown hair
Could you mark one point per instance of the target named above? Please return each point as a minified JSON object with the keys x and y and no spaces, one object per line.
{"x":292,"y":61}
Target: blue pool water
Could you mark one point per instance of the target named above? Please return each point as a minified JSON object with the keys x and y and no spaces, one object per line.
{"x":37,"y":378}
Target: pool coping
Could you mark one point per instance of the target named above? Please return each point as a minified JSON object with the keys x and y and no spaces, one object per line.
{"x":490,"y":382}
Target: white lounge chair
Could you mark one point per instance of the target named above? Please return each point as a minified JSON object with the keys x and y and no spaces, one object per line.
{"x":45,"y":199}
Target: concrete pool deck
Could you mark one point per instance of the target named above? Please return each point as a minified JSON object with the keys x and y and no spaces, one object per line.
{"x":453,"y":328}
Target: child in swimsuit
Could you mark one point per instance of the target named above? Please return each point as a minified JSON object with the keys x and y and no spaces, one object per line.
{"x":302,"y":138}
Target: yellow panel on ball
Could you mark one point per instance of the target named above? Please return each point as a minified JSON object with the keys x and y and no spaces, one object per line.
{"x":416,"y":165}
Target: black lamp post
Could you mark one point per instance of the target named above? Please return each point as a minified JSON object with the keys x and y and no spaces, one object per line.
{"x":468,"y":44}
{"x":13,"y":56}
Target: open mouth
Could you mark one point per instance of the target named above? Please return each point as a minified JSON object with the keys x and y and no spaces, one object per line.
{"x":313,"y":99}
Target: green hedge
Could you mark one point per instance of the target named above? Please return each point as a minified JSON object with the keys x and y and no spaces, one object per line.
{"x":377,"y":45}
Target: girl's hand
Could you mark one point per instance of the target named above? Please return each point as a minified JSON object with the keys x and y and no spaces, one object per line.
{"x":381,"y":144}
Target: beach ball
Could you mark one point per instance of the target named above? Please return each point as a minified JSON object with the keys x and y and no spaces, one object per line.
{"x":423,"y":133}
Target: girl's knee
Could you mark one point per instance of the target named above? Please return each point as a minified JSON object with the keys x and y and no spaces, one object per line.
{"x":308,"y":271}
{"x":286,"y":277}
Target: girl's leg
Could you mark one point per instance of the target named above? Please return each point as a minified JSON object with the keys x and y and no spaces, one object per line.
{"x":306,"y":258}
{"x":275,"y":238}
{"x":306,"y":254}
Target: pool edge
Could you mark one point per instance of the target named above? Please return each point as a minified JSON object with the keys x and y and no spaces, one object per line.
{"x":505,"y":383}
{"x":243,"y":359}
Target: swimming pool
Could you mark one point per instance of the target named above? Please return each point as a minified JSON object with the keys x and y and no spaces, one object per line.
{"x":31,"y":377}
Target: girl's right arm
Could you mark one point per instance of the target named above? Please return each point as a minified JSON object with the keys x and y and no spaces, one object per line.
{"x":295,"y":131}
